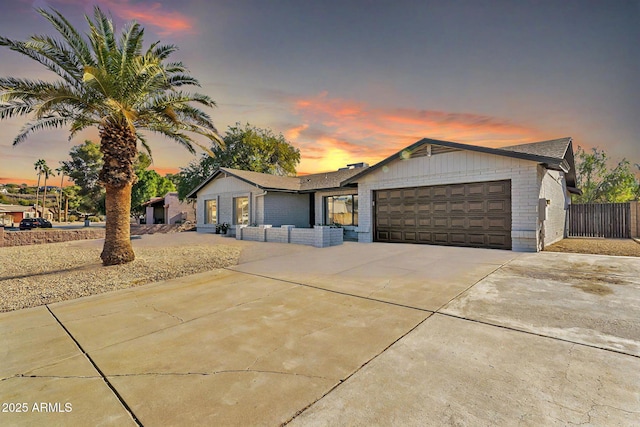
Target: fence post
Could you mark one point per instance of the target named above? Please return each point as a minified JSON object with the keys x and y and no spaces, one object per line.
{"x":634,"y":218}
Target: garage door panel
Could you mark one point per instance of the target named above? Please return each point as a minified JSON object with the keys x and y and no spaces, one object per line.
{"x":473,"y":214}
{"x":440,"y":222}
{"x":498,"y":223}
{"x":499,"y":188}
{"x":474,"y":206}
{"x":439,"y":192}
{"x":499,"y":240}
{"x":425,"y":237}
{"x":477,"y":239}
{"x":395,"y":235}
{"x":457,"y":191}
{"x":410,"y":236}
{"x":499,"y":206}
{"x":439,"y":207}
{"x":441,"y":238}
{"x":458,"y":238}
{"x":458,"y":207}
{"x":458,"y":222}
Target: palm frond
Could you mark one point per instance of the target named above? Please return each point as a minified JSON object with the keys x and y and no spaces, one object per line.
{"x":14,"y":109}
{"x":182,"y":80}
{"x":145,"y":144}
{"x":130,"y":47}
{"x":51,"y":122}
{"x":81,"y":123}
{"x":76,"y":42}
{"x":161,"y":52}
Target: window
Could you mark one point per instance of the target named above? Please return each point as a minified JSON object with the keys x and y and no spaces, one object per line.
{"x":241,"y":207}
{"x":210,"y":211}
{"x":341,"y":210}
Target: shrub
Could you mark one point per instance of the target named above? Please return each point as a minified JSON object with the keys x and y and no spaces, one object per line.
{"x":94,"y":219}
{"x":73,"y":218}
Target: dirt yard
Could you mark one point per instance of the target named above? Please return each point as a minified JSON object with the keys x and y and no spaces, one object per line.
{"x":620,"y":247}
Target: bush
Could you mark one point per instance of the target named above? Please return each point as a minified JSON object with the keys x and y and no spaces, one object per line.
{"x":73,"y":218}
{"x":94,"y":219}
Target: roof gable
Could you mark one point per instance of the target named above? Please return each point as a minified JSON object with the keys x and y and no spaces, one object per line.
{"x":554,"y":154}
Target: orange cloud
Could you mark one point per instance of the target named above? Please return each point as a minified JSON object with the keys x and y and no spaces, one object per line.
{"x":350,"y":131}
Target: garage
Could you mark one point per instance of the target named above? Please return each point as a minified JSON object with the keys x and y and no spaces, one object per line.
{"x":476,"y":214}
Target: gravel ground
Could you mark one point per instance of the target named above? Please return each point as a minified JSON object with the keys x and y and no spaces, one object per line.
{"x":620,"y":247}
{"x":41,"y":274}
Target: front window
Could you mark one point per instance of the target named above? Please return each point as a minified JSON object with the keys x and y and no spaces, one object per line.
{"x":341,"y":210}
{"x":241,"y":206}
{"x":211,"y":212}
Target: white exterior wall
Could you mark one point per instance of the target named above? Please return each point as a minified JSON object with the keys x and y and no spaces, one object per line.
{"x":454,"y":168}
{"x":224,"y":190}
{"x":553,"y":187}
{"x":176,"y":210}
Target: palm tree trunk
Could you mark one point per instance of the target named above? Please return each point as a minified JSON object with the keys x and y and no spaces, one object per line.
{"x":117,"y":244}
{"x":44,"y":198}
{"x":119,"y":151}
{"x":37,"y":194}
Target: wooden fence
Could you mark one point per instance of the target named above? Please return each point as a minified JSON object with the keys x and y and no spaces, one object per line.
{"x":610,"y":220}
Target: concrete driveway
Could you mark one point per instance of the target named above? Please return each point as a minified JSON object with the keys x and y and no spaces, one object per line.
{"x":358,"y":334}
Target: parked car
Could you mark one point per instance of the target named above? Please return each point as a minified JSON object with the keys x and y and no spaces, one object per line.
{"x":29,"y":223}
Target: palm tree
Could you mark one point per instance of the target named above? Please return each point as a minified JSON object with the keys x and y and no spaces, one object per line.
{"x":39,"y":166}
{"x":46,"y":171}
{"x":62,"y":171}
{"x":112,"y":84}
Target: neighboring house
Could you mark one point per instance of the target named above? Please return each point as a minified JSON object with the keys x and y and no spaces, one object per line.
{"x":13,"y":214}
{"x":168,"y":210}
{"x":434,"y":192}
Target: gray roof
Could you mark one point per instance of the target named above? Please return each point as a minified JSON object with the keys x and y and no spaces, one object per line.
{"x":265,"y":181}
{"x":555,"y":148}
{"x":326,"y":180}
{"x":16,"y":208}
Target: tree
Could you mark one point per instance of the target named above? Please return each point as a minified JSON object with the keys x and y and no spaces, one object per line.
{"x":46,"y":171}
{"x":149,"y":184}
{"x":247,"y":148}
{"x":111,"y":83}
{"x":599,"y":183}
{"x":39,"y":166}
{"x":84,"y":169}
{"x":62,"y":171}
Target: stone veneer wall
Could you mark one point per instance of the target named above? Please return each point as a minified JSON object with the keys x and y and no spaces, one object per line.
{"x":36,"y":237}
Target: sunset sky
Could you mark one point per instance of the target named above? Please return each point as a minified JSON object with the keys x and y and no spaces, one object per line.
{"x":353,"y":80}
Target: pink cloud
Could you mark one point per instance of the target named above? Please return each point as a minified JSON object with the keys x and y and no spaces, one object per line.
{"x":367,"y":133}
{"x":152,"y":14}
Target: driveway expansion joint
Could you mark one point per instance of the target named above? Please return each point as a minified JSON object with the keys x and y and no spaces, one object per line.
{"x":213,"y":373}
{"x":306,"y":285}
{"x":95,"y":366}
{"x":509,"y":328}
